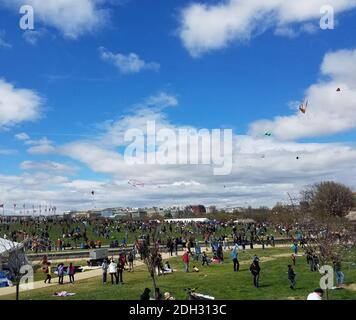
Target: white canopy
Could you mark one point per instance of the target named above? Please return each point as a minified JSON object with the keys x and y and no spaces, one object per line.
{"x":187,"y":220}
{"x":7,"y":245}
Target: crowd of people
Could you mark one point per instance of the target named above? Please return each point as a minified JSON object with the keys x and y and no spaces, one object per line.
{"x":221,"y":238}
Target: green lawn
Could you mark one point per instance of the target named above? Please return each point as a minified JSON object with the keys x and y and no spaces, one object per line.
{"x":217,"y":280}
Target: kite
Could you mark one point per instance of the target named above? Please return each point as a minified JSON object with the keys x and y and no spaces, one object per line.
{"x":135,"y":183}
{"x":338,"y":90}
{"x":92,"y":192}
{"x":297,"y":158}
{"x":268,"y":134}
{"x":303,"y":107}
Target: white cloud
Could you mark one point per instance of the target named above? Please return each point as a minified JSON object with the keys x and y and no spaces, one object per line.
{"x":22,"y":136}
{"x":7,"y":152}
{"x":41,"y":146}
{"x":329,"y":112}
{"x":32,"y":36}
{"x":3,"y":43}
{"x":48,"y":166}
{"x":71,"y":18}
{"x":17,"y":105}
{"x":205,"y":27}
{"x":127,"y":64}
{"x":264,"y":169}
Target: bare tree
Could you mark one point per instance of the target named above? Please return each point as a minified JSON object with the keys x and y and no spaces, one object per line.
{"x":151,"y":255}
{"x":151,"y":258}
{"x":14,"y":260}
{"x":328,"y":197}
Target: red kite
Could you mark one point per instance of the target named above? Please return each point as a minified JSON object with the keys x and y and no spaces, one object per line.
{"x":303,"y":107}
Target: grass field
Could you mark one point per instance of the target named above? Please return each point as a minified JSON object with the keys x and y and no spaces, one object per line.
{"x":217,"y":280}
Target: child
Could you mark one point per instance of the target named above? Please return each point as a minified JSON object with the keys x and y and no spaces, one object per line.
{"x":205,"y":259}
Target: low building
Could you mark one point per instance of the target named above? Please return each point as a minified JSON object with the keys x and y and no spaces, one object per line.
{"x":138,"y":213}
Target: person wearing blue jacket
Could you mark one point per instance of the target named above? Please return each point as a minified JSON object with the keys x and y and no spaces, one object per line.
{"x":234,"y":256}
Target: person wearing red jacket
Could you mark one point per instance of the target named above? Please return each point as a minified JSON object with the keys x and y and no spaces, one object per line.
{"x":186,"y":261}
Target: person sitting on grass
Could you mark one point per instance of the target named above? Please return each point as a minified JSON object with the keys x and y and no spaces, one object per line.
{"x":167,"y":268}
{"x":291,"y":277}
{"x":168,"y":296}
{"x":316,"y":295}
{"x":145,"y":296}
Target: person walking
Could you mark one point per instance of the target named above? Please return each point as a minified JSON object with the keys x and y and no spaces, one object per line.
{"x":48,"y":273}
{"x":104,"y":268}
{"x":186,"y":261}
{"x":291,"y":277}
{"x":255,"y":270}
{"x":113,"y":271}
{"x":234,"y":256}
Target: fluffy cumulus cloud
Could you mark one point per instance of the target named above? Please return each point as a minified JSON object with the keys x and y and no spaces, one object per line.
{"x":127,"y":64}
{"x":71,"y":18}
{"x":205,"y":27}
{"x":48,"y":166}
{"x":17,"y":105}
{"x":264,"y":169}
{"x":329,"y":110}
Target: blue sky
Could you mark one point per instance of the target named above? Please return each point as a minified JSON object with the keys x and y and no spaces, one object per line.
{"x":232,"y":83}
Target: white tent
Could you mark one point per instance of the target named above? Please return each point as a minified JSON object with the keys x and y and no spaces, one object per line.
{"x":187,"y":220}
{"x":8,"y":246}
